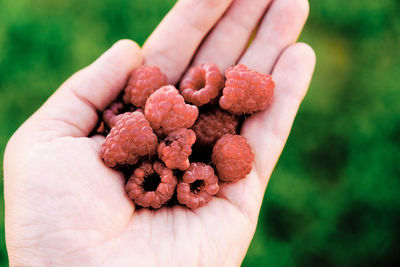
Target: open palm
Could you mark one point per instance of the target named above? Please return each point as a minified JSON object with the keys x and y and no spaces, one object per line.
{"x":64,"y":207}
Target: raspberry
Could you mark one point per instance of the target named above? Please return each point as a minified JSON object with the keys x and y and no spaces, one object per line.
{"x":210,"y":126}
{"x":114,"y":112}
{"x":110,"y":115}
{"x":175,"y":150}
{"x":232,"y":157}
{"x":202,"y":83}
{"x":246,"y":91}
{"x":151,"y":185}
{"x":130,"y":138}
{"x":198,"y":184}
{"x":142,"y":83}
{"x":167,"y":109}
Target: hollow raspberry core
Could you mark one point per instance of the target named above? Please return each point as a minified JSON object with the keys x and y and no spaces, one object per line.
{"x":198,"y":185}
{"x":151,"y":182}
{"x":199,"y":80}
{"x":202,"y":83}
{"x":151,"y":185}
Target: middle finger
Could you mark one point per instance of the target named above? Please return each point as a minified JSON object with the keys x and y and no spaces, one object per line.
{"x":229,"y":38}
{"x":172,"y":44}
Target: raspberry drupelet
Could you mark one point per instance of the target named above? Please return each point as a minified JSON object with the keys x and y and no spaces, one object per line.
{"x":175,"y":150}
{"x":130,"y":138}
{"x":151,"y":185}
{"x":167,"y":109}
{"x":233,"y":157}
{"x":142,"y":83}
{"x":202,"y":83}
{"x":211,"y":126}
{"x":198,"y":185}
{"x":246,"y":91}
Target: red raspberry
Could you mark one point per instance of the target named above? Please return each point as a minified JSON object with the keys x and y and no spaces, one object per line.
{"x":211,"y":126}
{"x":151,"y":185}
{"x":130,"y":138}
{"x":198,"y":184}
{"x":246,"y":91}
{"x":202,"y":83}
{"x":110,"y":115}
{"x":232,"y":157}
{"x":114,"y":112}
{"x":175,"y":150}
{"x":142,"y":83}
{"x":111,"y":120}
{"x":167,"y":109}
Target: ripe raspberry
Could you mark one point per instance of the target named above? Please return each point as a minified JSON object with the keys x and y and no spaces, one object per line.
{"x":211,"y":126}
{"x":130,"y":138}
{"x":198,"y":184}
{"x":114,"y":112}
{"x":142,"y":83}
{"x":246,"y":91}
{"x":175,"y":150}
{"x":167,"y":109}
{"x":110,"y":115}
{"x":202,"y":83}
{"x":151,"y":185}
{"x":232,"y":157}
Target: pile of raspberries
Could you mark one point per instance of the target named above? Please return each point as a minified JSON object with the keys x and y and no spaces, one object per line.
{"x":176,"y":146}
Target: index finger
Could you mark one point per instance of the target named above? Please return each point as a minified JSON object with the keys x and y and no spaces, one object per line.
{"x":172,"y":45}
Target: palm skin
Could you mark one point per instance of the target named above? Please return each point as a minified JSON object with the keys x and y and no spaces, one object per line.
{"x":87,"y":216}
{"x":65,"y":207}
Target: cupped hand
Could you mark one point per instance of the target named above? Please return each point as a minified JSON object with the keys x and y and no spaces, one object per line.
{"x":65,"y":207}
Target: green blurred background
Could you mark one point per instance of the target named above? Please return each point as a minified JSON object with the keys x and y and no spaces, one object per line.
{"x":334,"y":197}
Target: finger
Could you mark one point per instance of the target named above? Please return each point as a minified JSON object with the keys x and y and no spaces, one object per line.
{"x":227,"y":41}
{"x":267,"y":131}
{"x":172,"y":45}
{"x":72,"y":109}
{"x":273,"y":124}
{"x":280,"y":27}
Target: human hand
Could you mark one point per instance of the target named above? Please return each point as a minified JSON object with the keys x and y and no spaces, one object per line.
{"x":65,"y":207}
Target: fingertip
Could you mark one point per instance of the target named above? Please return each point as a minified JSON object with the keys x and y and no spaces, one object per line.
{"x":176,"y":39}
{"x":299,"y":55}
{"x":127,"y":43}
{"x":280,"y":28}
{"x":304,"y":7}
{"x":127,"y":49}
{"x":298,"y":7}
{"x":304,"y":51}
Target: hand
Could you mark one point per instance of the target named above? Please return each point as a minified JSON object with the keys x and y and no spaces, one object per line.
{"x":65,"y":207}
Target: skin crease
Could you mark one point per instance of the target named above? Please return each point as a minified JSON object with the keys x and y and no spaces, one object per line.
{"x":64,"y":207}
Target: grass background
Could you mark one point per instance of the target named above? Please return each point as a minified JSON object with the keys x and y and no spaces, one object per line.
{"x":334,"y":197}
